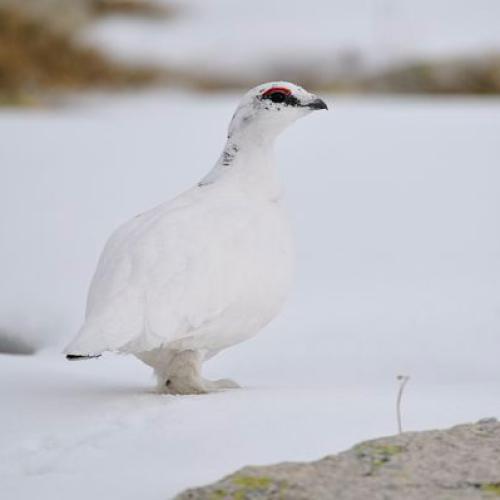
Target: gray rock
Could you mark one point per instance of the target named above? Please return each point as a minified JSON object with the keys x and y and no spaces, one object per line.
{"x":459,"y":463}
{"x":15,"y":344}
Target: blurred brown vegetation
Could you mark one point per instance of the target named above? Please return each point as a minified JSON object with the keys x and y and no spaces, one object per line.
{"x":39,"y":56}
{"x":134,"y":8}
{"x":479,"y":75}
{"x":471,"y":76}
{"x":36,"y":58}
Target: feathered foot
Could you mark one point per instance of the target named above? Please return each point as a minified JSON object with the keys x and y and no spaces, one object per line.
{"x":184,"y":376}
{"x":180,"y":385}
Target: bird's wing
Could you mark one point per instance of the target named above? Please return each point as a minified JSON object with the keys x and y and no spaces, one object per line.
{"x":158,"y":279}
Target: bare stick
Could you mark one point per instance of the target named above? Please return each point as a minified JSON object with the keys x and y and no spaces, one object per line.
{"x":404,"y":380}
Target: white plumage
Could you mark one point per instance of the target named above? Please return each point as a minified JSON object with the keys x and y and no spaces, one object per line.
{"x":210,"y":268}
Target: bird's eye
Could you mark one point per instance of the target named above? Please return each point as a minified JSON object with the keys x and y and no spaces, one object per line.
{"x":277,"y":95}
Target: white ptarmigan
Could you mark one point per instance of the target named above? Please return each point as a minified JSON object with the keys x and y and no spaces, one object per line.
{"x":207,"y":270}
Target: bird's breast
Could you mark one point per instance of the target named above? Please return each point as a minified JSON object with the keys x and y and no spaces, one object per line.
{"x":250,"y":268}
{"x":262,"y":258}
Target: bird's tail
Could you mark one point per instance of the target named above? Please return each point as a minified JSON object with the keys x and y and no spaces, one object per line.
{"x":84,"y":345}
{"x":80,"y":357}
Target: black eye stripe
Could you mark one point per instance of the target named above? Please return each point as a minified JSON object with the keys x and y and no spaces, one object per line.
{"x":279,"y":97}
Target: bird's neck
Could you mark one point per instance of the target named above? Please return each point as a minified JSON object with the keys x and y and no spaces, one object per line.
{"x":247,"y":166}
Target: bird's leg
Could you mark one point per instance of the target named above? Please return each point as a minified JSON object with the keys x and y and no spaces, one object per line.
{"x":184,"y":376}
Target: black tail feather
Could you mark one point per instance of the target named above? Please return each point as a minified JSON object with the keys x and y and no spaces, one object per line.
{"x":79,"y":357}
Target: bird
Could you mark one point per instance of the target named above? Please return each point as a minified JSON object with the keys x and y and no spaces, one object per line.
{"x":207,"y":270}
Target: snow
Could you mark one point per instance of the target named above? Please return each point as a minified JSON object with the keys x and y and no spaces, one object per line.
{"x":395,"y":204}
{"x":252,"y":38}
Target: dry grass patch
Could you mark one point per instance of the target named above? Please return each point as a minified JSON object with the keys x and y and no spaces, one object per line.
{"x":34,"y":59}
{"x":144,"y":8}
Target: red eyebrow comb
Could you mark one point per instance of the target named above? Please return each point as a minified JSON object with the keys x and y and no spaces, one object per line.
{"x":284,"y":90}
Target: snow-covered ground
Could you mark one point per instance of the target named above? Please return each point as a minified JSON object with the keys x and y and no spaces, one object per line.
{"x":250,"y":38}
{"x":396,"y":207}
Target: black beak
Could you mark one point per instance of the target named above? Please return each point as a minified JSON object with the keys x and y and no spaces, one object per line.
{"x":317,"y":104}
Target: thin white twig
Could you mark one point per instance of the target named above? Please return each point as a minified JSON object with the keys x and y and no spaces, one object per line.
{"x":404,"y":380}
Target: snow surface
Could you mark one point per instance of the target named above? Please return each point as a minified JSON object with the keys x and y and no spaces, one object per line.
{"x":224,"y":36}
{"x":396,"y":207}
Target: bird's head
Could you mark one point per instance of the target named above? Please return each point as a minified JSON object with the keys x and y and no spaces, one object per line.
{"x":269,"y":108}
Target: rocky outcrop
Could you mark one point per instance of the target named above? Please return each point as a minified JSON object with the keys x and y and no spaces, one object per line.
{"x":459,"y":463}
